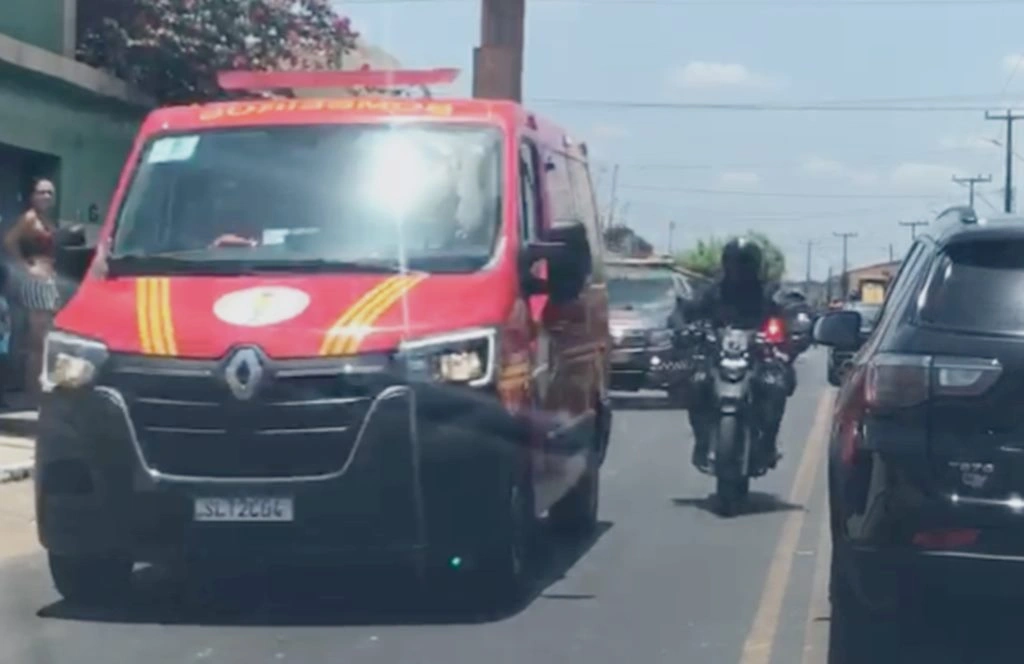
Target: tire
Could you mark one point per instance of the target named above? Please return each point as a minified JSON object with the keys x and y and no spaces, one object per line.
{"x":576,"y":513}
{"x":731,"y":486}
{"x":90,"y":580}
{"x":502,"y":566}
{"x":862,"y":595}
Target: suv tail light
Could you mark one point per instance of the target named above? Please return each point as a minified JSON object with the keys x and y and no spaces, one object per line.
{"x":895,"y":381}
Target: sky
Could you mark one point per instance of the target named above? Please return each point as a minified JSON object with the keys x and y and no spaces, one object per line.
{"x":610,"y":71}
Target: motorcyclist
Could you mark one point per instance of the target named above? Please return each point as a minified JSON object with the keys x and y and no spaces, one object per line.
{"x":739,"y":299}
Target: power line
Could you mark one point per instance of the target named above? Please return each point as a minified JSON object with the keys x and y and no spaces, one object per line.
{"x":761,"y":107}
{"x":773,"y":194}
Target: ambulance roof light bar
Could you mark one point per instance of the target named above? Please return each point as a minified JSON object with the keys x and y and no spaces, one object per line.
{"x":270,"y":81}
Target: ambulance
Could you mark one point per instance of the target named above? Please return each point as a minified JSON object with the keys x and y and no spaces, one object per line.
{"x":330,"y":329}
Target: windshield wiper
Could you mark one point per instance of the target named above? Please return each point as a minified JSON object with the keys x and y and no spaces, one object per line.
{"x":191,"y":261}
{"x":201,"y":261}
{"x":322,"y":265}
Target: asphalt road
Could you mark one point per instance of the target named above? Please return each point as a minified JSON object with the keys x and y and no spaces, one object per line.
{"x":665,"y":581}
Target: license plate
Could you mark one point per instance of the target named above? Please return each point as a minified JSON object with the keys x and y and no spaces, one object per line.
{"x":621,"y":356}
{"x":245,"y":508}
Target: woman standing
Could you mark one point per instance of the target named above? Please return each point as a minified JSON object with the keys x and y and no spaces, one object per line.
{"x":31,"y":243}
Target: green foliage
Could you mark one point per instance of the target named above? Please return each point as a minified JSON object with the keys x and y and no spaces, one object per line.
{"x":624,"y":241}
{"x":173,"y":49}
{"x":706,"y":257}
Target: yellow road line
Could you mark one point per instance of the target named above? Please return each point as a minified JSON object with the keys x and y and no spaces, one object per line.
{"x":334,"y":336}
{"x":818,"y":606}
{"x":757,"y":649}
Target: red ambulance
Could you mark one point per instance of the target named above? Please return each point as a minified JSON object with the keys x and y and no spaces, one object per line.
{"x":331,"y":329}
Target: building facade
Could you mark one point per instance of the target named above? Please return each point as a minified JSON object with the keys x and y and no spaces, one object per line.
{"x":58,"y":118}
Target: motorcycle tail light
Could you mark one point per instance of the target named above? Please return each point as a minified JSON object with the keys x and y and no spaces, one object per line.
{"x":774,"y":331}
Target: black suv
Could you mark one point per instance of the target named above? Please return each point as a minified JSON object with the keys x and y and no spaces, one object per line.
{"x":647,"y":300}
{"x":926,"y":457}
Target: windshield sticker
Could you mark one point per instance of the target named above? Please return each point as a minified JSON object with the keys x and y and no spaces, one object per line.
{"x":383,"y":106}
{"x":172,"y":148}
{"x":261,"y":306}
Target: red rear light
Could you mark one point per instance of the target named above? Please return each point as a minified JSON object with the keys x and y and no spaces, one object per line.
{"x":897,"y":381}
{"x":775,"y":331}
{"x":901,"y":381}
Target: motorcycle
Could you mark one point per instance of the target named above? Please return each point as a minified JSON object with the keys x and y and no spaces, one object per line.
{"x":746,"y":373}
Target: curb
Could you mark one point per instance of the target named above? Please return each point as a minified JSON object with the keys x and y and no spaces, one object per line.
{"x":16,"y":472}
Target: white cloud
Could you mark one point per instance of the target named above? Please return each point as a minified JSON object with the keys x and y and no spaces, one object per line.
{"x":922,"y":175}
{"x":967,"y":143}
{"x":701,"y":74}
{"x":739,"y":179}
{"x":822,"y":167}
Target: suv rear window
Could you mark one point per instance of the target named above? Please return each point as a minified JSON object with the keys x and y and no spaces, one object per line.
{"x":978,"y":287}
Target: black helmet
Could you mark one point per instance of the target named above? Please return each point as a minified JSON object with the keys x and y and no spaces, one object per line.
{"x":741,"y":260}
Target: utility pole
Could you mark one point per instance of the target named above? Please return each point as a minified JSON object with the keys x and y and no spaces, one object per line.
{"x":913,"y":227}
{"x":671,"y":232}
{"x":807,"y":277}
{"x":1009,"y":117}
{"x":612,"y":201}
{"x":498,"y":61}
{"x":844,"y":280}
{"x":970,"y":182}
{"x":891,"y":256}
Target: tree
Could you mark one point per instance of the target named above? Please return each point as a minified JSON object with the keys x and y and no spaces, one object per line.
{"x":706,"y":257}
{"x":625,"y":241}
{"x":173,"y":49}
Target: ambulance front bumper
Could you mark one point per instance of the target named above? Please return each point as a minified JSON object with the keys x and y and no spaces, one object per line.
{"x":412,"y":486}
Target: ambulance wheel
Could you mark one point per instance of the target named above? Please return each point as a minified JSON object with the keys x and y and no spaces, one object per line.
{"x":90,"y":580}
{"x":576,"y":513}
{"x":499,"y":572}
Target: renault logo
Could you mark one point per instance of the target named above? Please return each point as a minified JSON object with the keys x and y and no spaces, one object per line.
{"x":243,"y":373}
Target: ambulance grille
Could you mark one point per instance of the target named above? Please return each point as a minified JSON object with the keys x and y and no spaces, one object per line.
{"x":302,"y":420}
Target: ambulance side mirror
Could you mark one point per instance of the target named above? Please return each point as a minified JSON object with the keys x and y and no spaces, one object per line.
{"x":73,"y":262}
{"x":566,"y":250}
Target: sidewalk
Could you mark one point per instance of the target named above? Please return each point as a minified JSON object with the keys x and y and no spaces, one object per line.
{"x":17,"y":439}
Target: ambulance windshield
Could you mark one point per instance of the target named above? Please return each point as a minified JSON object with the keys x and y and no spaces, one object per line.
{"x":410,"y":196}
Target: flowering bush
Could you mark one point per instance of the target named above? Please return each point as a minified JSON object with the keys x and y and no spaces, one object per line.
{"x":173,"y":49}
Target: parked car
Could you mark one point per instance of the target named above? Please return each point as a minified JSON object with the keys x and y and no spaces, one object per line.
{"x":647,"y":300}
{"x":839,"y":359}
{"x":926,"y":456}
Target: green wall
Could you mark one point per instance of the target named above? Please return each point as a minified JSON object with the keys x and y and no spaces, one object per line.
{"x":38,"y":22}
{"x":91,"y":136}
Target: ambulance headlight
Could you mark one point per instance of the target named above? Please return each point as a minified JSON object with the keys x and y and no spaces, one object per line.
{"x":70,"y":361}
{"x":466,"y":357}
